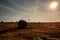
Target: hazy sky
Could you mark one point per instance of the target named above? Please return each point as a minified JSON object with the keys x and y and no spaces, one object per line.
{"x":35,"y":10}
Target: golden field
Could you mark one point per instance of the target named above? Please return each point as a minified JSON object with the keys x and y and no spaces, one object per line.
{"x":33,"y":29}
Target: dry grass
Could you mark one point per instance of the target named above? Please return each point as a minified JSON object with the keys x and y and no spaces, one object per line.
{"x":32,"y":30}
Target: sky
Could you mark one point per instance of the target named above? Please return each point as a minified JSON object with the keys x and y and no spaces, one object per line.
{"x":29,"y":10}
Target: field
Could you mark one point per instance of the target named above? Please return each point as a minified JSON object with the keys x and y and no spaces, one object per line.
{"x":33,"y":31}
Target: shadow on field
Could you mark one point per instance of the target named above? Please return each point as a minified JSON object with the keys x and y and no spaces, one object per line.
{"x":21,"y":25}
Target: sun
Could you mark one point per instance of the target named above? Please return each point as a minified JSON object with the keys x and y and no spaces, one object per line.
{"x":53,"y":5}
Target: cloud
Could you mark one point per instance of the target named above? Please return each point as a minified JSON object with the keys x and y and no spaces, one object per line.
{"x":36,"y":10}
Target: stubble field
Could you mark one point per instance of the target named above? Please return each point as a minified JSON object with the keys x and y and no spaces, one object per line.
{"x":33,"y":31}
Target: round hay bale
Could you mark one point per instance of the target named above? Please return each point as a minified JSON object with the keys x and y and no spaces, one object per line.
{"x":22,"y":24}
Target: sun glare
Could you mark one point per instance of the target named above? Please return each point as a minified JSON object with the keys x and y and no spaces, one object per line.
{"x":54,"y":5}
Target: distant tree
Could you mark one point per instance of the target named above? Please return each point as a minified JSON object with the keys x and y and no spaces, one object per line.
{"x":22,"y":24}
{"x":28,"y":19}
{"x":2,"y":22}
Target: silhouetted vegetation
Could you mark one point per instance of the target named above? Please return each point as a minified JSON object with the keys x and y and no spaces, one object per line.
{"x":21,"y":25}
{"x":1,"y":22}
